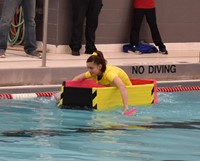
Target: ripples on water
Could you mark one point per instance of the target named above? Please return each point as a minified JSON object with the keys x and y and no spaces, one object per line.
{"x":38,"y":130}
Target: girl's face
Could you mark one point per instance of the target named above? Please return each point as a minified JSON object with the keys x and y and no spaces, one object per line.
{"x":94,"y":69}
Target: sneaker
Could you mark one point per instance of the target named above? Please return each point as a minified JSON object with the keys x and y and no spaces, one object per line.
{"x":75,"y":53}
{"x":163,"y":50}
{"x":90,"y":51}
{"x":2,"y":54}
{"x":34,"y":53}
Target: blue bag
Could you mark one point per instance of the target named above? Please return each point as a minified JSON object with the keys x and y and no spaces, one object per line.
{"x":141,"y":47}
{"x":146,"y":48}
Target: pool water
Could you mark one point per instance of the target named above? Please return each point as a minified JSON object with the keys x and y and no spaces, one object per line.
{"x":36,"y":130}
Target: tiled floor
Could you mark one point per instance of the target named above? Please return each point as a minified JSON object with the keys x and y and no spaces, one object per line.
{"x":18,"y":69}
{"x":18,"y":59}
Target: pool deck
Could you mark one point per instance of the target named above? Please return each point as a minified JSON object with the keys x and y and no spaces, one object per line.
{"x":19,"y":70}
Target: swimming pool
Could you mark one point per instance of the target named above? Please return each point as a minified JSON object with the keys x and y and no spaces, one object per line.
{"x":37,"y":130}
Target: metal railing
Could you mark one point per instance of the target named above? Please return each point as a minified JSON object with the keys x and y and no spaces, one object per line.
{"x":45,"y":31}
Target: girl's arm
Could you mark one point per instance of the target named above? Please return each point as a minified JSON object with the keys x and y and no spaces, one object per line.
{"x":56,"y":96}
{"x":80,"y":77}
{"x":123,"y":90}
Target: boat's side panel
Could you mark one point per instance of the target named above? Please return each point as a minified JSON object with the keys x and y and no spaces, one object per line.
{"x":107,"y":98}
{"x":110,"y":97}
{"x":141,"y":94}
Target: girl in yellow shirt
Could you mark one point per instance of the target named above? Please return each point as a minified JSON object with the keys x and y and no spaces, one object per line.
{"x":106,"y":75}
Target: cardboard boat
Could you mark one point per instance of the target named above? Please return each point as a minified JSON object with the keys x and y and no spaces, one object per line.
{"x":88,"y":95}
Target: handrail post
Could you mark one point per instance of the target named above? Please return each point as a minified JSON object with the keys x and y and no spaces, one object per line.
{"x":45,"y":30}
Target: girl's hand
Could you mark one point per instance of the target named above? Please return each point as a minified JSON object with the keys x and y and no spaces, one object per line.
{"x":130,"y":112}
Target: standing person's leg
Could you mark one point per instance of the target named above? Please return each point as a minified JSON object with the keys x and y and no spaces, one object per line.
{"x":79,"y":8}
{"x":136,"y":25}
{"x":29,"y":20}
{"x":30,"y":45}
{"x":92,"y":16}
{"x":8,"y":12}
{"x":151,"y":20}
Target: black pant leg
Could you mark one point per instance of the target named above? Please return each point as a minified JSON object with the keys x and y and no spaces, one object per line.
{"x":151,"y":20}
{"x":79,"y":8}
{"x":92,"y":16}
{"x":138,"y":15}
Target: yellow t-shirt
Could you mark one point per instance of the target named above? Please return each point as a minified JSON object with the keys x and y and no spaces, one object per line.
{"x":109,"y":75}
